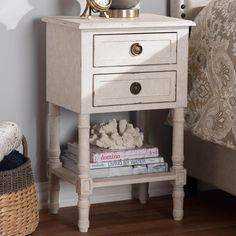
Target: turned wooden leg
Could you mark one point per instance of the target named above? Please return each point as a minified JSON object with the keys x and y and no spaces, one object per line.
{"x":84,"y":184}
{"x":143,"y":193}
{"x":142,"y":121}
{"x":54,"y":189}
{"x":54,"y":157}
{"x":178,"y":160}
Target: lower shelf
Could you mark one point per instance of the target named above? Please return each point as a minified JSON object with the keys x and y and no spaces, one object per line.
{"x":71,"y":177}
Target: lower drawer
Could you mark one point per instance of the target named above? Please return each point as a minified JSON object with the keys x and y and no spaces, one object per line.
{"x":134,"y":88}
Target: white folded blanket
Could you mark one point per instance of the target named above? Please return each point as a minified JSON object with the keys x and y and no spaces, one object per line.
{"x":10,"y":137}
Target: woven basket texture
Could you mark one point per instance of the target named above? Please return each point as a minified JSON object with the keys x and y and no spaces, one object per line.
{"x":19,"y":212}
{"x":16,"y":179}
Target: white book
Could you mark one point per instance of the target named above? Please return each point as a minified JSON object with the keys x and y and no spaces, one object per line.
{"x":153,"y":168}
{"x":99,"y":173}
{"x":139,"y":169}
{"x":117,"y":171}
{"x":103,"y":155}
{"x":118,"y":163}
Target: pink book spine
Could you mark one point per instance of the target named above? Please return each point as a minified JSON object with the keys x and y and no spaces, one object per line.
{"x":126,"y":154}
{"x":101,"y":155}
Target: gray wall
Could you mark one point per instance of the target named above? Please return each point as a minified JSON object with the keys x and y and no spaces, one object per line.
{"x":154,"y":6}
{"x":22,"y":72}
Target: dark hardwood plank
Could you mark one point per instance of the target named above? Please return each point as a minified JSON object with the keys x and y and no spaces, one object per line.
{"x":211,"y":213}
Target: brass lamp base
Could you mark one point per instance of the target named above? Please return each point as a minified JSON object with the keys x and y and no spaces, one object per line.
{"x":123,"y":13}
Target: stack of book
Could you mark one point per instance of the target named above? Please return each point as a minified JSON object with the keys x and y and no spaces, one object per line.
{"x":109,"y":163}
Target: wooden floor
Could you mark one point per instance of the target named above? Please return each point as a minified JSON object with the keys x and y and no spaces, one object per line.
{"x":210,"y":213}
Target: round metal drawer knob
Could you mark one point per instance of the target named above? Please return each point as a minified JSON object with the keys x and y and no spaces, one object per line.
{"x":135,"y":88}
{"x":136,"y":49}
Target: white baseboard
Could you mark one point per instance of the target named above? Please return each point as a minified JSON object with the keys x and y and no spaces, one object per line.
{"x":68,"y":196}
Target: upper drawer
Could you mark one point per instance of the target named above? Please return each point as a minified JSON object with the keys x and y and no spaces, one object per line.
{"x":134,"y":49}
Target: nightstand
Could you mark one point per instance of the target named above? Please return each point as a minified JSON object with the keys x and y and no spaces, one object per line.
{"x":113,"y":65}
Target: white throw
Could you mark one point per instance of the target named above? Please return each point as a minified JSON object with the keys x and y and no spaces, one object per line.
{"x":10,"y":137}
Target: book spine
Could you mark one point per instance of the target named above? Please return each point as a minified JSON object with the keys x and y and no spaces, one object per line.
{"x":153,"y":168}
{"x":128,"y":162}
{"x":119,"y":163}
{"x":101,"y":173}
{"x":118,"y":171}
{"x":117,"y":155}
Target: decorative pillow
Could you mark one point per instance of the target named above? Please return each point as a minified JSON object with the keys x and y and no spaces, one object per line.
{"x":10,"y":137}
{"x":211,"y":113}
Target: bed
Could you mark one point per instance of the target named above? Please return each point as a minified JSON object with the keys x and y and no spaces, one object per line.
{"x":210,"y":160}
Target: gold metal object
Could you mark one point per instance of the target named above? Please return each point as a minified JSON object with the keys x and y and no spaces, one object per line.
{"x":123,"y":13}
{"x":94,"y":6}
{"x":135,"y":88}
{"x":136,"y":49}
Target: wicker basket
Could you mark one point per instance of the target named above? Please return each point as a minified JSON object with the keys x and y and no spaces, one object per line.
{"x":19,"y":214}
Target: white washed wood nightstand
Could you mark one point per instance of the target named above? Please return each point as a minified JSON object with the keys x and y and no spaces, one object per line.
{"x":113,"y":65}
